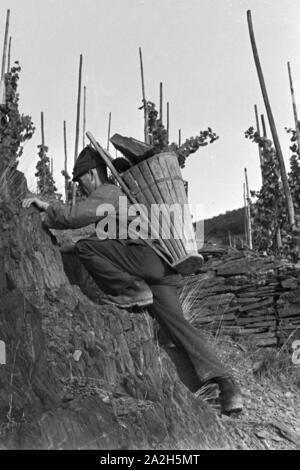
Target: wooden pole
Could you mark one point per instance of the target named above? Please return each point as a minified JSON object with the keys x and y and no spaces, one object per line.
{"x":161,"y":102}
{"x":66,"y":162}
{"x":43,"y":147}
{"x":290,"y":205}
{"x":297,"y":129}
{"x":260,"y":153}
{"x":246,"y":215}
{"x":257,"y":120}
{"x":248,"y":211}
{"x":263,"y":126}
{"x":168,"y":121}
{"x":146,"y":130}
{"x":84,"y":117}
{"x":179,"y":138}
{"x":2,"y":78}
{"x":51,"y":167}
{"x":5,"y":44}
{"x":77,"y":126}
{"x":108,"y":132}
{"x":42,"y":129}
{"x":9,"y":55}
{"x":229,"y":238}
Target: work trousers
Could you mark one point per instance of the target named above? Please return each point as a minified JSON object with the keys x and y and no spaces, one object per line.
{"x":115,"y":264}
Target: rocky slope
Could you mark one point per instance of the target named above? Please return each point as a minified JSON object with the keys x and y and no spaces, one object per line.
{"x":78,"y":374}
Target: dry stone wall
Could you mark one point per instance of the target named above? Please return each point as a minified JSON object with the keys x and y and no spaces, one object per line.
{"x":245,"y":294}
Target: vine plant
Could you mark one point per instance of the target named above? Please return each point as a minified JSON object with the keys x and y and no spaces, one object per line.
{"x":159,"y":137}
{"x":271,"y":233}
{"x":15,"y":128}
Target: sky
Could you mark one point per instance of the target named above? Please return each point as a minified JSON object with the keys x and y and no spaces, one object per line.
{"x":199,"y":49}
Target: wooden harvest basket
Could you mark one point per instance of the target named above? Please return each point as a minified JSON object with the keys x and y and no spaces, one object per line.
{"x":158,"y":180}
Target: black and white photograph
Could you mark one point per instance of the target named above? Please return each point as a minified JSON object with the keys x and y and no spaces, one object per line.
{"x":149,"y":229}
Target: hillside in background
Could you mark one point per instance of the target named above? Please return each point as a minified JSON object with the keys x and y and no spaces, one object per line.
{"x":216,"y":229}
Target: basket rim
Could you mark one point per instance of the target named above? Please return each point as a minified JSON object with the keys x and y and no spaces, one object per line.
{"x":149,"y":159}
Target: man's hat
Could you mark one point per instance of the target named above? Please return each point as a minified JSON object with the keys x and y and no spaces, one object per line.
{"x":88,"y":159}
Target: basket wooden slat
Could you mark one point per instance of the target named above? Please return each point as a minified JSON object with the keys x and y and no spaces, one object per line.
{"x":167,"y":197}
{"x":163,"y":158}
{"x":180,"y":191}
{"x":148,"y":179}
{"x":144,"y":195}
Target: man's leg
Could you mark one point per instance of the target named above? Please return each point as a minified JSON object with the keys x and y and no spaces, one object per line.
{"x":114,"y":270}
{"x":103,"y":259}
{"x":166,"y":309}
{"x":114,"y":266}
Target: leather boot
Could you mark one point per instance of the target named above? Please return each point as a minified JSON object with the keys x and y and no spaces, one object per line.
{"x":230,"y":395}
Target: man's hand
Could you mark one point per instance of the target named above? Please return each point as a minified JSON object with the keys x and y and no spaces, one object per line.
{"x":42,"y":205}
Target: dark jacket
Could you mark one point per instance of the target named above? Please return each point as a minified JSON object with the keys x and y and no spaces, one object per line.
{"x":63,"y":216}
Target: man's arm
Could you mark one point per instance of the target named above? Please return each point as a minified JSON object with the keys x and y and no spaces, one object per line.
{"x":64,"y":216}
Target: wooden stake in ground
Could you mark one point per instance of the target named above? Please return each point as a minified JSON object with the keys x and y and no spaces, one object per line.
{"x":77,"y":126}
{"x":42,"y":129}
{"x":297,"y":129}
{"x":43,"y":147}
{"x":168,"y":122}
{"x":229,"y":239}
{"x":262,"y":117}
{"x":179,"y":138}
{"x":66,"y":162}
{"x":246,"y":215}
{"x":256,"y":120}
{"x":145,"y":104}
{"x":248,"y":211}
{"x":84,"y":117}
{"x":260,"y":153}
{"x":161,"y":102}
{"x":9,"y":55}
{"x":108,"y":131}
{"x":290,"y":205}
{"x":4,"y":52}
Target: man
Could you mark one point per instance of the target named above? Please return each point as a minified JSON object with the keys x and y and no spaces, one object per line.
{"x":131,"y":273}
